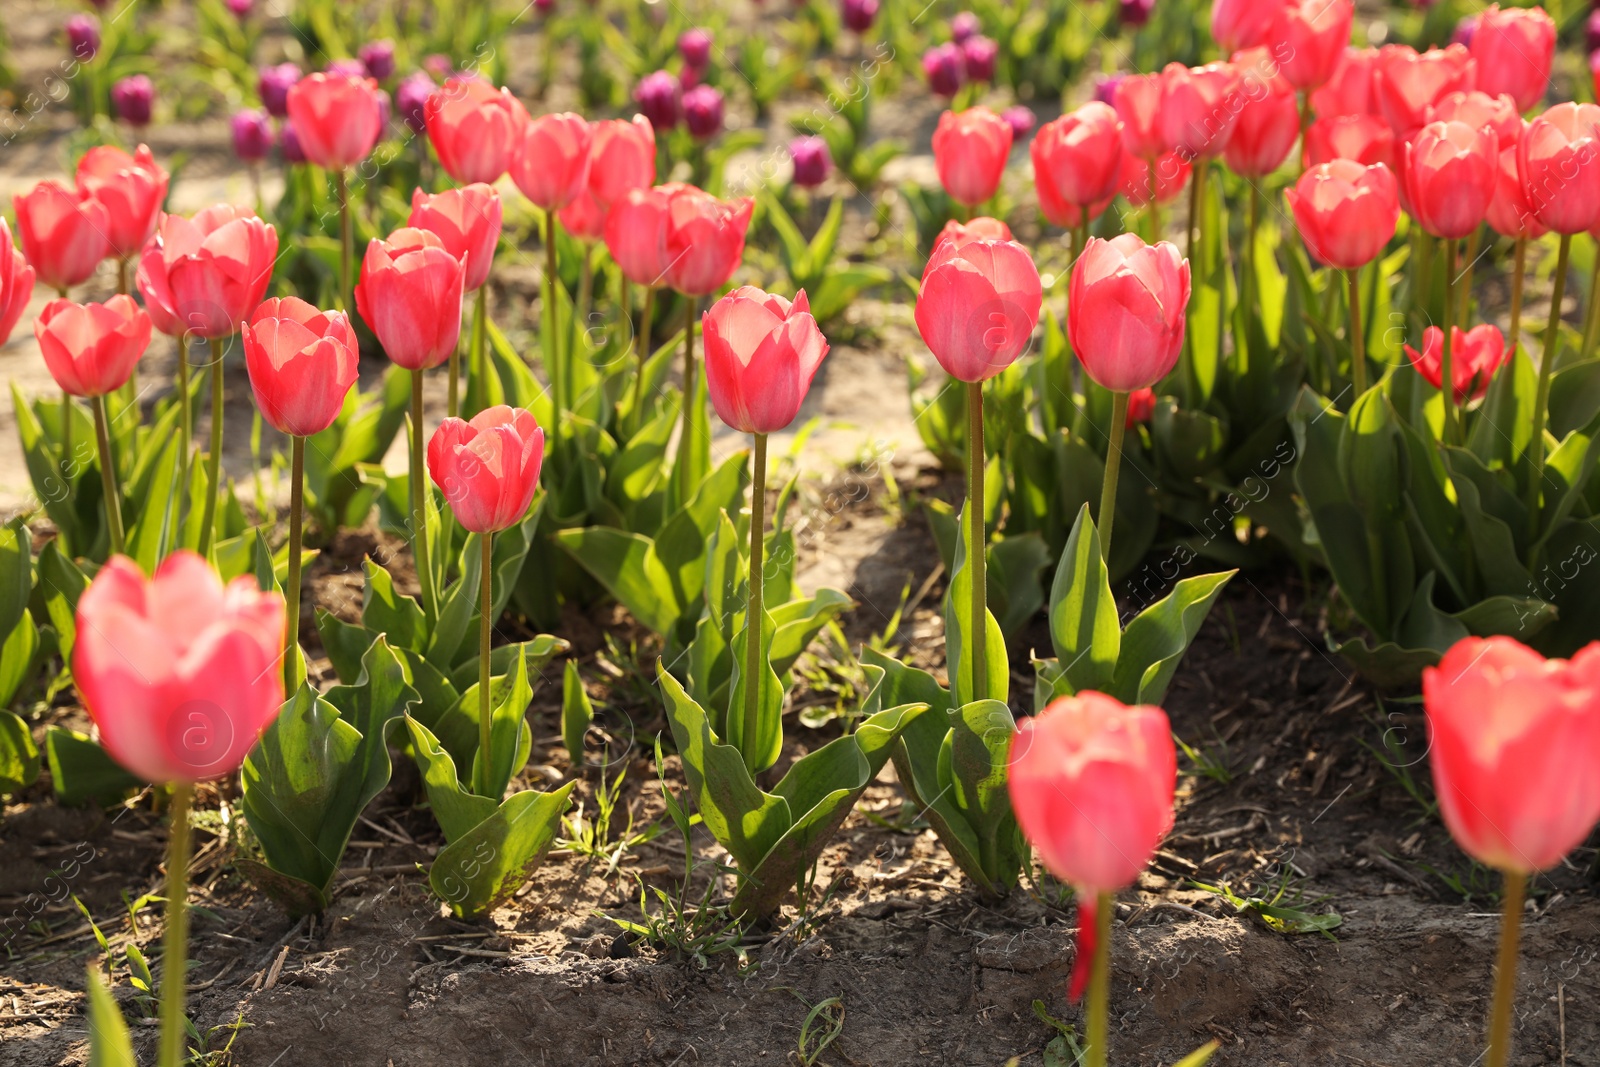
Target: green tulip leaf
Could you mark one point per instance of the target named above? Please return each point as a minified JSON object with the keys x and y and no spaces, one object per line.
{"x":19,"y":756}
{"x":82,"y":772}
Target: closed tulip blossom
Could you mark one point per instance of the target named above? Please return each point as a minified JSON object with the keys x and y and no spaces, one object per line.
{"x":978,"y":57}
{"x":583,"y":218}
{"x":1352,"y":88}
{"x":1366,"y":139}
{"x":1559,"y":161}
{"x":761,"y":353}
{"x":622,"y":156}
{"x":1092,"y":783}
{"x":1315,"y":34}
{"x":1513,"y":742}
{"x":410,"y":294}
{"x":91,"y":349}
{"x":1198,"y":110}
{"x":132,"y":188}
{"x":551,"y":163}
{"x":1141,"y":406}
{"x":704,"y":238}
{"x":252,"y":134}
{"x":1135,"y":13}
{"x":964,"y":26}
{"x":636,"y":235}
{"x":970,"y":150}
{"x":1480,"y":110}
{"x":205,"y":275}
{"x":289,"y":142}
{"x":488,"y":468}
{"x":1409,"y":83}
{"x":302,"y":362}
{"x":133,"y":99}
{"x":858,"y":15}
{"x":1138,"y":100}
{"x":337,"y":118}
{"x":1450,"y":176}
{"x":1477,"y":352}
{"x":978,"y":306}
{"x":468,"y":222}
{"x":659,"y":98}
{"x":1269,"y":120}
{"x":273,"y":85}
{"x":377,"y":59}
{"x":16,"y":283}
{"x":1345,"y":212}
{"x":1514,"y":48}
{"x":411,"y":98}
{"x":1077,"y":162}
{"x":64,"y":233}
{"x":703,"y":112}
{"x":1240,"y":24}
{"x":944,"y":66}
{"x":1021,"y":119}
{"x":475,"y":128}
{"x":694,"y":45}
{"x":83,"y":37}
{"x":812,"y":161}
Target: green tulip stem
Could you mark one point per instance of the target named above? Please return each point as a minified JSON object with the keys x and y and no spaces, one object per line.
{"x":1505,"y":969}
{"x":291,"y":592}
{"x":1197,"y":194}
{"x":1447,"y":370}
{"x":1591,"y":310}
{"x":585,"y":296}
{"x":554,"y":367}
{"x":108,"y":475}
{"x":1108,"y":486}
{"x":1247,"y":275}
{"x":452,"y":399}
{"x":642,"y":345}
{"x":754,"y":616}
{"x":346,"y":241}
{"x":185,"y":416}
{"x":1098,"y":1008}
{"x":208,"y":521}
{"x":419,"y":502}
{"x":1518,"y":270}
{"x":1552,"y":335}
{"x":68,"y":467}
{"x":175,"y":953}
{"x":485,"y":629}
{"x":690,"y":398}
{"x":1464,"y":286}
{"x":480,"y":339}
{"x":1358,"y":339}
{"x":976,"y":543}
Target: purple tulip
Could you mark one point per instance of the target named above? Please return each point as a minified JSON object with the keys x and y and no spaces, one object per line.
{"x":695,"y":48}
{"x":657,"y":97}
{"x":1136,"y":12}
{"x":1105,"y":87}
{"x":702,"y":111}
{"x":1469,"y":25}
{"x":812,"y":161}
{"x":131,"y":98}
{"x":83,"y":36}
{"x":943,"y":64}
{"x":411,"y":100}
{"x":858,"y":15}
{"x":290,"y":141}
{"x":378,"y":59}
{"x":240,"y":8}
{"x":978,"y":55}
{"x":252,"y":134}
{"x":1021,"y":121}
{"x":964,"y":26}
{"x":273,"y":87}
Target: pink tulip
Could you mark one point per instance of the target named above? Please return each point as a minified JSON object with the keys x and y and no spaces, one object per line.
{"x":132,"y":188}
{"x":761,"y":354}
{"x":1345,"y":212}
{"x":1199,"y":108}
{"x":1171,"y":175}
{"x":1269,"y":119}
{"x":1240,"y":24}
{"x":551,"y":163}
{"x":467,"y":220}
{"x":410,"y":294}
{"x":1480,"y":110}
{"x":982,"y":228}
{"x":1510,"y":213}
{"x":584,"y":218}
{"x":1408,"y":83}
{"x":64,"y":233}
{"x":205,"y":275}
{"x":488,"y":468}
{"x":474,"y":128}
{"x":979,"y":303}
{"x":1138,"y":100}
{"x":338,"y":118}
{"x":704,"y":238}
{"x":970,"y":150}
{"x":1475,"y":355}
{"x":1450,"y":173}
{"x":301,"y":362}
{"x":1077,"y":162}
{"x":622,"y":156}
{"x":91,"y":349}
{"x":179,"y":672}
{"x":1366,"y":139}
{"x":636,"y":235}
{"x":16,"y":283}
{"x":1514,"y":48}
{"x":1352,"y":87}
{"x":1125,"y":311}
{"x":1316,"y":33}
{"x":1558,"y":161}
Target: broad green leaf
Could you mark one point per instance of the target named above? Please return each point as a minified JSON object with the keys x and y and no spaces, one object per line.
{"x":481,"y":868}
{"x":960,"y":629}
{"x":20,"y":656}
{"x":16,"y":574}
{"x":509,"y":734}
{"x":82,"y":772}
{"x":626,"y":564}
{"x":1084,"y":627}
{"x":109,"y":1042}
{"x":19,"y":756}
{"x":386,"y":611}
{"x":1154,"y":643}
{"x":576,"y":713}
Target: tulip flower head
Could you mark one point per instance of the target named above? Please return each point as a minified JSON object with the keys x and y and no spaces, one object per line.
{"x":858,"y":15}
{"x":659,"y":98}
{"x":1141,"y":406}
{"x":970,"y":149}
{"x":16,"y":283}
{"x":1171,"y":175}
{"x":704,"y":238}
{"x":1352,"y":88}
{"x":83,"y":37}
{"x":179,"y":672}
{"x":982,"y":228}
{"x":488,"y":468}
{"x":1125,"y":310}
{"x":1077,"y":162}
{"x":1199,"y":108}
{"x":468,"y":222}
{"x":1475,"y":356}
{"x":1021,"y":119}
{"x":1240,"y":24}
{"x":1514,"y":48}
{"x":132,"y":99}
{"x":964,"y":26}
{"x":812,"y":161}
{"x":91,"y":349}
{"x":978,"y":306}
{"x":1510,"y":213}
{"x":337,"y":117}
{"x":1269,"y":118}
{"x":301,"y":363}
{"x":273,"y":85}
{"x":1450,"y":174}
{"x":410,"y":294}
{"x":761,"y":353}
{"x":1366,"y":139}
{"x":1315,"y":34}
{"x":1513,"y":742}
{"x":1345,"y":212}
{"x":205,"y":275}
{"x":1138,"y":99}
{"x":978,"y":57}
{"x":551,"y":162}
{"x":132,"y":188}
{"x":252,"y":134}
{"x":703,"y":111}
{"x":622,"y":156}
{"x":1409,"y":83}
{"x":1476,"y":109}
{"x":636,"y":235}
{"x":475,"y":128}
{"x":944,"y":66}
{"x":377,"y":59}
{"x":1558,"y":160}
{"x":411,"y":98}
{"x":64,"y":233}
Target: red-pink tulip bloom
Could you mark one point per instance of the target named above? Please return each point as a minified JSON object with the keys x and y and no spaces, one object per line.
{"x":1475,"y":355}
{"x":704,"y":238}
{"x":488,"y":468}
{"x":1171,"y":175}
{"x":179,"y":672}
{"x":761,"y":353}
{"x":1513,"y":741}
{"x":622,"y":157}
{"x":1558,"y":161}
{"x":551,"y":162}
{"x":132,"y":188}
{"x":1510,"y":213}
{"x":1077,"y":162}
{"x":1125,"y":310}
{"x":64,"y":234}
{"x":636,"y":235}
{"x":410,"y":294}
{"x":205,"y":275}
{"x":970,"y":150}
{"x":1138,"y":101}
{"x":1315,"y":35}
{"x":1239,"y":24}
{"x":584,"y":218}
{"x":1408,"y":83}
{"x":1092,"y":783}
{"x":301,"y":361}
{"x":16,"y":283}
{"x":91,"y":349}
{"x":467,"y":220}
{"x":982,"y":228}
{"x":338,"y":118}
{"x":1345,"y":212}
{"x":1199,"y":108}
{"x":1514,"y":48}
{"x":978,"y":306}
{"x":1269,"y":119}
{"x":1141,"y":406}
{"x":1366,"y":139}
{"x":474,"y":128}
{"x":1352,"y":88}
{"x":1450,"y":174}
{"x":1480,"y":110}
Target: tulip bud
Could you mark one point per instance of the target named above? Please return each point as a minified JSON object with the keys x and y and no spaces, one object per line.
{"x":273,"y":85}
{"x":1077,"y":162}
{"x":64,"y":233}
{"x":292,"y":152}
{"x":488,"y":468}
{"x":944,"y":66}
{"x":1240,"y":24}
{"x":978,"y":306}
{"x":657,"y":97}
{"x":1021,"y":120}
{"x":1105,"y":87}
{"x":411,"y":100}
{"x":1268,"y":124}
{"x":301,"y":363}
{"x":1558,"y":160}
{"x":132,"y":188}
{"x":91,"y":349}
{"x":858,"y":15}
{"x":1514,"y":48}
{"x":964,"y":27}
{"x":1346,"y":213}
{"x":1450,"y":174}
{"x":1366,"y":139}
{"x":761,"y":354}
{"x":978,"y":56}
{"x":1135,"y":13}
{"x":812,"y":161}
{"x":377,"y":59}
{"x":1141,"y":406}
{"x":205,"y":275}
{"x":704,"y":239}
{"x":1352,"y":88}
{"x":694,"y":45}
{"x":1138,"y":100}
{"x":1315,"y":35}
{"x":702,"y":111}
{"x":132,"y":98}
{"x":551,"y":161}
{"x":475,"y":128}
{"x":410,"y":294}
{"x":636,"y":235}
{"x":240,"y":8}
{"x":970,"y":149}
{"x":83,"y":37}
{"x":1199,"y":108}
{"x":1510,"y":213}
{"x":1408,"y":83}
{"x":467,"y":221}
{"x":16,"y":283}
{"x":1125,"y":311}
{"x":252,"y":134}
{"x":337,"y":118}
